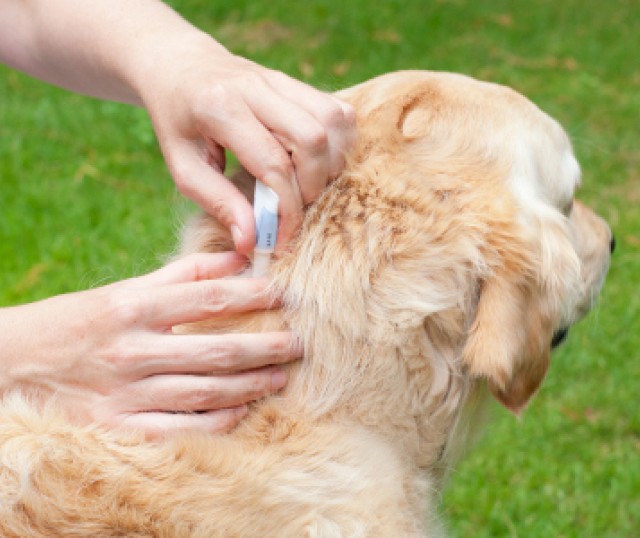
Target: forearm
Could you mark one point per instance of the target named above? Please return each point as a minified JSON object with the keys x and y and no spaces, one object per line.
{"x":40,"y":341}
{"x":103,"y":48}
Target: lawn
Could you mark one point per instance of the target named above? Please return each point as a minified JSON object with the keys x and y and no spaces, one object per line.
{"x":85,"y":199}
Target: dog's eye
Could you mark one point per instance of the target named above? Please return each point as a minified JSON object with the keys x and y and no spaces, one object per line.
{"x":566,"y":210}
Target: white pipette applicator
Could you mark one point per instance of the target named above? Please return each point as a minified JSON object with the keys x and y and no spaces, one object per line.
{"x":265,"y":211}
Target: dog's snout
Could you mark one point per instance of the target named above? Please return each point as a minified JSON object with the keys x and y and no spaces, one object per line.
{"x":612,"y":244}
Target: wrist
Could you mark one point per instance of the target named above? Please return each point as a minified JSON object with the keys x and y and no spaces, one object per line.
{"x":17,"y":346}
{"x":160,"y":64}
{"x":41,"y":339}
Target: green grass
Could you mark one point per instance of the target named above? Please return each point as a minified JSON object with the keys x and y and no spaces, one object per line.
{"x":85,"y":199}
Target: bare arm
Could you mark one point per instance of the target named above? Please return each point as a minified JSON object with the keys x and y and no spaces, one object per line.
{"x":200,"y":97}
{"x":86,"y":46}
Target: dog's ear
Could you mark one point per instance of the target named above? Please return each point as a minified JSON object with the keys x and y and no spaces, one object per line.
{"x":520,"y":305}
{"x":509,"y":340}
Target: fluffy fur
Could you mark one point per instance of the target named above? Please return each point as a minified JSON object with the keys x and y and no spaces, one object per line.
{"x":440,"y":262}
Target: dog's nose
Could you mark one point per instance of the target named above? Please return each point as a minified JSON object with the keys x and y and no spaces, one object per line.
{"x":559,"y":336}
{"x":612,"y":243}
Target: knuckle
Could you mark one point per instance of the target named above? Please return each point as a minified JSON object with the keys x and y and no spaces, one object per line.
{"x":315,"y":139}
{"x":125,"y":308}
{"x":219,"y":208}
{"x":226,"y":356}
{"x":333,"y":115}
{"x":279,"y":165}
{"x":123,"y":356}
{"x":258,"y":385}
{"x":249,"y":78}
{"x":213,"y":297}
{"x":222,"y":98}
{"x":201,"y":399}
{"x":191,"y":260}
{"x":215,"y":107}
{"x":217,"y":97}
{"x":280,"y":345}
{"x":338,"y":115}
{"x":348,"y":115}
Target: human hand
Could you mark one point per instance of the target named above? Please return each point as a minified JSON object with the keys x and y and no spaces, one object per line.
{"x":203,"y":99}
{"x":109,"y":355}
{"x":200,"y":97}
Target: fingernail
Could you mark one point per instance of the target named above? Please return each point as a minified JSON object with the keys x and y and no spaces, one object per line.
{"x":236,"y":234}
{"x":278,"y":380}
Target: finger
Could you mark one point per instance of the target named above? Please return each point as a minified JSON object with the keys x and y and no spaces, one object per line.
{"x":180,"y":303}
{"x":213,"y":354}
{"x":200,"y":180}
{"x":229,"y":121}
{"x":345,"y":138}
{"x":337,"y":117}
{"x":176,"y":393}
{"x":195,"y":267}
{"x":300,"y":134}
{"x":157,"y":425}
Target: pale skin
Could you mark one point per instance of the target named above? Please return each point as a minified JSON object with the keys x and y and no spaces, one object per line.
{"x":108,"y":354}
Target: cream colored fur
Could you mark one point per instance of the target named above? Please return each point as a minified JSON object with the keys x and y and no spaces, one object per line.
{"x":445,"y":255}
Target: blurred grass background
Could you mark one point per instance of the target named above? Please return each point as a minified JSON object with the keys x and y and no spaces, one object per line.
{"x":85,"y":199}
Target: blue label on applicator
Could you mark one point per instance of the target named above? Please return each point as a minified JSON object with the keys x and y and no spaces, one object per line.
{"x":266,"y":229}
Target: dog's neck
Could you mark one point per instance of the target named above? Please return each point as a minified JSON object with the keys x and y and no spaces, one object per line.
{"x":407,"y":389}
{"x":382,"y":322}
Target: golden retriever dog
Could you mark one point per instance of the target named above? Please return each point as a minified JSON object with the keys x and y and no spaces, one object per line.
{"x":433,"y":273}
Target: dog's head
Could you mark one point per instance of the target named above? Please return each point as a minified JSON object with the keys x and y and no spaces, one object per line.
{"x":452,"y":232}
{"x":495,"y":179}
